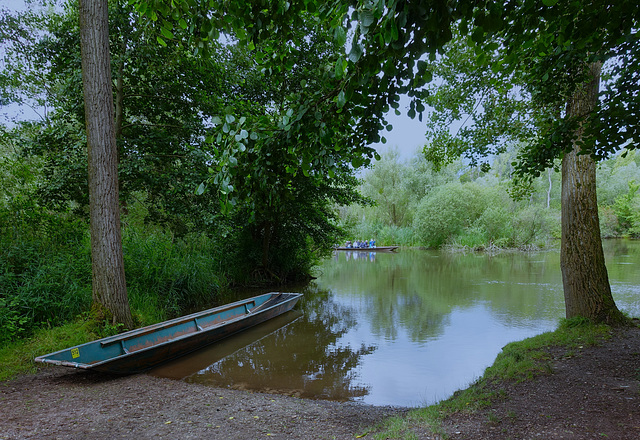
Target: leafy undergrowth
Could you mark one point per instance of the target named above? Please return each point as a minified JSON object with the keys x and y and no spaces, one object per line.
{"x":518,"y":361}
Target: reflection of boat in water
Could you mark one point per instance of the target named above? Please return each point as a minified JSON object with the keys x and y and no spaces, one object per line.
{"x":140,"y":349}
{"x":372,"y":249}
{"x":188,"y":365}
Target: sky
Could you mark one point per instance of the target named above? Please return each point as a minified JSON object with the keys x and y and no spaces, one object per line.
{"x":16,"y":5}
{"x":408,"y":135}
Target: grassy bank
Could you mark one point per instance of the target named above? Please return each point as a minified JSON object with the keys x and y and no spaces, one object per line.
{"x":518,"y":361}
{"x":16,"y":357}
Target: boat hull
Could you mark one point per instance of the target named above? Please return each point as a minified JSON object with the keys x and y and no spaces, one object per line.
{"x":141,"y":349}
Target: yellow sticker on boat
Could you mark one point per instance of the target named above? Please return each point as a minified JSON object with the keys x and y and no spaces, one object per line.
{"x":75,"y":353}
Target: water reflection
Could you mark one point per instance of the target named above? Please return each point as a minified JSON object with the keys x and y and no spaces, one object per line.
{"x":313,"y":366}
{"x":355,"y":255}
{"x":301,"y":357}
{"x":405,"y":329}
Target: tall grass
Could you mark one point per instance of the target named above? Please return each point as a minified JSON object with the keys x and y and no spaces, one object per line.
{"x":167,"y":277}
{"x":45,"y":272}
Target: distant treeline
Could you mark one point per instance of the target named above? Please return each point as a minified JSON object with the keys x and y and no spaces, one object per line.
{"x":460,"y":206}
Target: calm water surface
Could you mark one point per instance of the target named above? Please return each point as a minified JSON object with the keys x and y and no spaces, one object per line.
{"x":401,"y":329}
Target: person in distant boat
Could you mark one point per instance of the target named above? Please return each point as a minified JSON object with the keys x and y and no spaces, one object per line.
{"x":372,"y":243}
{"x":348,"y":245}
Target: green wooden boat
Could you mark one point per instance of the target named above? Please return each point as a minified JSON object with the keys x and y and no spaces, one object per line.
{"x":139,"y":350}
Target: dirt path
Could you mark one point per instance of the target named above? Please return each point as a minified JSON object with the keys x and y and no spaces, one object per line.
{"x":594,"y":393}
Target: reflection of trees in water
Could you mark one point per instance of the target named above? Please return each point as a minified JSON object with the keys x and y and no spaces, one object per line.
{"x":302,"y":358}
{"x":416,"y":291}
{"x":404,"y":310}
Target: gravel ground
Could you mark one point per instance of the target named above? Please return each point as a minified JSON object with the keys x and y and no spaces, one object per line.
{"x":61,"y":403}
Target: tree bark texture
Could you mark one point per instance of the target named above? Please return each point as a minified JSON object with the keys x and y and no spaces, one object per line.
{"x":585,"y":280}
{"x":108,"y":280}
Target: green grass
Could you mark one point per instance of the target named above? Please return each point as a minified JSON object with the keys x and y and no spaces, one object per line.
{"x":518,"y":361}
{"x":17,"y":357}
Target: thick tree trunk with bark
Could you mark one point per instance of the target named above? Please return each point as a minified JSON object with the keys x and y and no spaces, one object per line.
{"x":109,"y":287}
{"x":587,"y":291}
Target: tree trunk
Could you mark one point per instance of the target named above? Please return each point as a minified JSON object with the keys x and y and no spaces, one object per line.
{"x":587,"y":291}
{"x":109,"y":287}
{"x":549,"y":171}
{"x":119,"y":117}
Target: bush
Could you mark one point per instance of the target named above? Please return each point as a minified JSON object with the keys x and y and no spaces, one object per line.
{"x":609,"y":226}
{"x":496,"y":224}
{"x":474,"y":237}
{"x":45,"y":271}
{"x":446,"y":211}
{"x":534,"y":225}
{"x":627,"y":210}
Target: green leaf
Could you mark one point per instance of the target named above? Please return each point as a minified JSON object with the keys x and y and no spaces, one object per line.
{"x":366,"y":18}
{"x":340,"y":36}
{"x":200,"y":189}
{"x":341,"y":65}
{"x":355,"y":53}
{"x":342,"y":100}
{"x":549,"y":2}
{"x":161,"y":41}
{"x":166,"y":33}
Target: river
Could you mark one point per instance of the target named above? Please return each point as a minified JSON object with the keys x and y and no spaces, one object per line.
{"x":406,"y":328}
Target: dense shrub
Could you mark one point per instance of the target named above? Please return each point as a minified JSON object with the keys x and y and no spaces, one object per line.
{"x":45,"y":270}
{"x":608,"y":222}
{"x":446,"y":211}
{"x":534,"y":225}
{"x":495,"y":222}
{"x":627,"y":210}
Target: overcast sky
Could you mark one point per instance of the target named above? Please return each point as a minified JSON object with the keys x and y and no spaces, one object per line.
{"x":13,"y":4}
{"x":407,"y":134}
